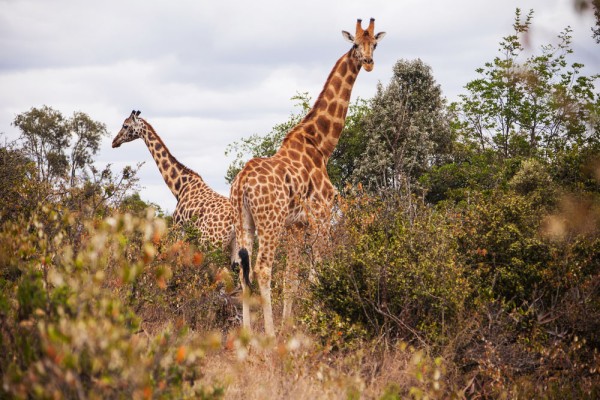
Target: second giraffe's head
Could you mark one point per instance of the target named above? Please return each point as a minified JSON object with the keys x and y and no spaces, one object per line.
{"x":131,"y":129}
{"x":365,"y":42}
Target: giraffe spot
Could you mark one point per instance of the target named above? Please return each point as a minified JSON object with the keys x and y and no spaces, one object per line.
{"x":343,"y":68}
{"x":178,"y":184}
{"x":311,"y":152}
{"x":346,"y":94}
{"x":337,"y":127}
{"x":163,"y":153}
{"x":294,"y":155}
{"x":336,"y":83}
{"x":332,"y":108}
{"x":165,"y":164}
{"x":350,"y":79}
{"x":317,"y":178}
{"x":158,"y":146}
{"x":328,"y":147}
{"x":173,"y":173}
{"x":340,"y":112}
{"x":319,"y":104}
{"x":329,"y":94}
{"x":262,"y":179}
{"x":296,"y":145}
{"x":306,"y":161}
{"x":323,"y":124}
{"x":310,"y":130}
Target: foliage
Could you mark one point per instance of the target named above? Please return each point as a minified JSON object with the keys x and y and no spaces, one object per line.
{"x":19,"y":189}
{"x":64,"y":330}
{"x":53,"y":163}
{"x":395,"y":273}
{"x":47,"y":139}
{"x":406,"y":130}
{"x":535,"y":107}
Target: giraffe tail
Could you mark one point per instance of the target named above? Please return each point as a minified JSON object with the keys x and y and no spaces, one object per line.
{"x":245,"y":258}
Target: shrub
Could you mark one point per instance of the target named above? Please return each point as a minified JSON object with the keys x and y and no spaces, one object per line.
{"x":396,"y":273}
{"x":65,"y":329}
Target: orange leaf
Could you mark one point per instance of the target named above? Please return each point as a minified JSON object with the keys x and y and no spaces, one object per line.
{"x":197,"y":259}
{"x":180,"y":354}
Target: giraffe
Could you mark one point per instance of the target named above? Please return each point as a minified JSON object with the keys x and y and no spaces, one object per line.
{"x":277,"y":194}
{"x":210,"y":212}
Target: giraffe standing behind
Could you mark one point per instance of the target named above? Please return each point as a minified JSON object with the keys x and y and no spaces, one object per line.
{"x":279,"y":193}
{"x":210,"y":212}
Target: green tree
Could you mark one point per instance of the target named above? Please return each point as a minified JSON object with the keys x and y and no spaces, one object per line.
{"x":406,"y":131}
{"x":88,"y":135}
{"x":535,"y":107}
{"x":18,"y":190}
{"x":47,"y":140}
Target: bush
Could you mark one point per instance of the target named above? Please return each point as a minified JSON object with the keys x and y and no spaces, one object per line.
{"x":66,"y":330}
{"x":396,"y":273}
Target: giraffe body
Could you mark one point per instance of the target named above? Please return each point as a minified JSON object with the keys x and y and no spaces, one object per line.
{"x":210,"y":212}
{"x":277,"y":195}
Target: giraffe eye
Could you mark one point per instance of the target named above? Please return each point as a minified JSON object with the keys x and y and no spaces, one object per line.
{"x":125,"y":126}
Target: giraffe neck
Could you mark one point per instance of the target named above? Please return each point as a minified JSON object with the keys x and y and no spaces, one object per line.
{"x":323,"y":125}
{"x":172,"y":171}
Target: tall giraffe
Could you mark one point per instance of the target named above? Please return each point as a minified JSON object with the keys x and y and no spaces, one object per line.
{"x":210,"y":212}
{"x":271,"y":195}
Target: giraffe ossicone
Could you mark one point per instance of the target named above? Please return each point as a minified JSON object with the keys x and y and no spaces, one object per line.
{"x":210,"y":212}
{"x":277,"y":194}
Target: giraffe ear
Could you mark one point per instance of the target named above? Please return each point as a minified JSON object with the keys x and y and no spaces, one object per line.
{"x":348,"y":36}
{"x":137,"y":113}
{"x":379,"y":36}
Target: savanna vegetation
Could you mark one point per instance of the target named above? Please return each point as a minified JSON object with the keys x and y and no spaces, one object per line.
{"x":463,"y":261}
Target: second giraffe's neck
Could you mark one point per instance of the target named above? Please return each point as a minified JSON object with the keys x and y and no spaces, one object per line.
{"x":323,"y":125}
{"x":175,"y":174}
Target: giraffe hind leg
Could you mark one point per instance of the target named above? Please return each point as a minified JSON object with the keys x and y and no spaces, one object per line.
{"x":245,"y":260}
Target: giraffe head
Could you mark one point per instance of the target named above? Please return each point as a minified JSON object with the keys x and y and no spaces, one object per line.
{"x":131,"y":130}
{"x":364,"y":42}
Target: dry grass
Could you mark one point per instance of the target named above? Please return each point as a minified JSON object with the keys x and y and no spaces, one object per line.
{"x":249,"y":367}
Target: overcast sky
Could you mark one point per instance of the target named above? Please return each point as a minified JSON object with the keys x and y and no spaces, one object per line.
{"x":205,"y":74}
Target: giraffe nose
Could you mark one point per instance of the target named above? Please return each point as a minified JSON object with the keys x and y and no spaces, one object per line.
{"x":368,"y":61}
